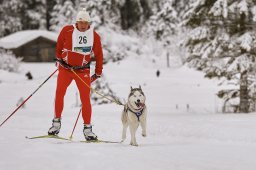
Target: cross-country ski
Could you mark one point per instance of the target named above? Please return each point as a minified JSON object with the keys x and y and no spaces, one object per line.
{"x":71,"y":140}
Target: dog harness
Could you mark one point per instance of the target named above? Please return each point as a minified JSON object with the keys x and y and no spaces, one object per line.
{"x":138,"y":114}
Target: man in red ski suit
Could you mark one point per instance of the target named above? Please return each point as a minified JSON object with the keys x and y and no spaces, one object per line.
{"x":73,"y":50}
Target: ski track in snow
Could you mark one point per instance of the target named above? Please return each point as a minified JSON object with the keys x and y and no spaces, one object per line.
{"x":178,"y":138}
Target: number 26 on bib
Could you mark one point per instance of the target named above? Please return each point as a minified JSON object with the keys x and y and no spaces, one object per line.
{"x":82,"y":39}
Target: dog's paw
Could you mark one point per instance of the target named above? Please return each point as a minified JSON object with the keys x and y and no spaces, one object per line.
{"x":134,"y":144}
{"x":144,"y":134}
{"x":123,"y":138}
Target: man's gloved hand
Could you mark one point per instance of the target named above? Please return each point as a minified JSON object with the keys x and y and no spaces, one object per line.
{"x":61,"y":62}
{"x":94,"y":77}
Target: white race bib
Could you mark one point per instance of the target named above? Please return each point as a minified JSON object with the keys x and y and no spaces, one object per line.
{"x":82,"y":42}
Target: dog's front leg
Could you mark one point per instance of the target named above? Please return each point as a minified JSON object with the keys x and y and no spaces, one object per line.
{"x":133,"y":127}
{"x":143,"y":126}
{"x":124,"y":119}
{"x":125,"y":125}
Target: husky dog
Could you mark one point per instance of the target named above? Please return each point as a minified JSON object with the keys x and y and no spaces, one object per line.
{"x":134,"y":114}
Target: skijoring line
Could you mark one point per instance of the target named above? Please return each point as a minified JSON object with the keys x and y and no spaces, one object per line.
{"x":95,"y":91}
{"x":73,"y":68}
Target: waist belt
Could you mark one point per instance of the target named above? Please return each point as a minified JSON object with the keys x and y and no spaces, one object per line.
{"x":66,"y":65}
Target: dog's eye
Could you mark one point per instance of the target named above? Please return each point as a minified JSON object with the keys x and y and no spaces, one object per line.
{"x":134,"y":95}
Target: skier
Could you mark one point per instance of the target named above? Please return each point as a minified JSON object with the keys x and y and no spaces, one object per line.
{"x":73,"y":50}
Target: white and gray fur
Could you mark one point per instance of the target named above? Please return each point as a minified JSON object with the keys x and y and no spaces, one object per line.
{"x":135,"y":104}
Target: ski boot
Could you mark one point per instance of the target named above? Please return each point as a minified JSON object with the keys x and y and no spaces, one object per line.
{"x":88,"y":134}
{"x":56,"y":125}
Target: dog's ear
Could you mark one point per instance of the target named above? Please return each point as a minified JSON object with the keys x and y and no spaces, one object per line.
{"x":131,"y":88}
{"x":140,"y":87}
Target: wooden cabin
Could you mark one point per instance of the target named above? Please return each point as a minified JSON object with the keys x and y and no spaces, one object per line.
{"x":31,"y":45}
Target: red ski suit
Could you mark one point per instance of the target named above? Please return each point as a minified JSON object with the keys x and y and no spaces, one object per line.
{"x":65,"y":76}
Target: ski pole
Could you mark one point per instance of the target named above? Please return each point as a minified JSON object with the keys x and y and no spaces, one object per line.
{"x":75,"y":124}
{"x":70,"y":138}
{"x":28,"y":98}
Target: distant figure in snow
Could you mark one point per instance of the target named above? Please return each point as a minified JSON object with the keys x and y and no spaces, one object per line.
{"x":74,"y":47}
{"x":157,"y":73}
{"x":29,"y":75}
{"x":187,"y":107}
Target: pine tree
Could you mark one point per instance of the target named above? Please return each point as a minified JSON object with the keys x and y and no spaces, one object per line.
{"x":34,"y":14}
{"x":50,"y":4}
{"x":16,"y":15}
{"x":55,"y":17}
{"x":10,"y":20}
{"x":102,"y":12}
{"x":9,"y":61}
{"x":62,"y":15}
{"x":134,"y":13}
{"x":181,"y":6}
{"x":163,"y":22}
{"x":222,"y":44}
{"x":111,"y":13}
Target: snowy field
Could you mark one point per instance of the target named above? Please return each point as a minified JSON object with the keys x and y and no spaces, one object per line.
{"x":184,"y":130}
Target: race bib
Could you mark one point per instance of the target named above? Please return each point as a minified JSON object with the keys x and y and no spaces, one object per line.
{"x":82,"y":42}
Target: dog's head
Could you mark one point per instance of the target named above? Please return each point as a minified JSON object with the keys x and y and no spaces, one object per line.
{"x":136,"y":98}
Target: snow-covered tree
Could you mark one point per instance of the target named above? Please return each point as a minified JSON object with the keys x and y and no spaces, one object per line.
{"x":8,"y":61}
{"x":134,"y":13}
{"x":55,"y":17}
{"x":162,"y":30}
{"x":222,"y":43}
{"x":112,"y":13}
{"x":18,"y":15}
{"x":50,"y":4}
{"x":10,"y":20}
{"x":34,"y":14}
{"x":163,"y":22}
{"x":62,"y":15}
{"x":182,"y":6}
{"x":102,"y":12}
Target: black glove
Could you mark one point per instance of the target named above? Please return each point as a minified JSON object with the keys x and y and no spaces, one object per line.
{"x":63,"y":63}
{"x":94,"y":77}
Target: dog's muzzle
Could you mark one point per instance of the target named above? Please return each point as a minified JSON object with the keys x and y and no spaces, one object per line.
{"x":139,"y":104}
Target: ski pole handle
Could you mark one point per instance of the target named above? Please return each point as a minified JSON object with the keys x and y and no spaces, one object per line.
{"x":94,"y":77}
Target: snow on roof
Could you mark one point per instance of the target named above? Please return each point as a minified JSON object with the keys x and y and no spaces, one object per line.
{"x":20,"y":38}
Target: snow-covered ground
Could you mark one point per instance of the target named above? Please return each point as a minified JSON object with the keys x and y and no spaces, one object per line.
{"x":184,"y":130}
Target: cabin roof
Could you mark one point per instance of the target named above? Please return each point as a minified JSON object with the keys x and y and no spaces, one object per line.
{"x":20,"y":38}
